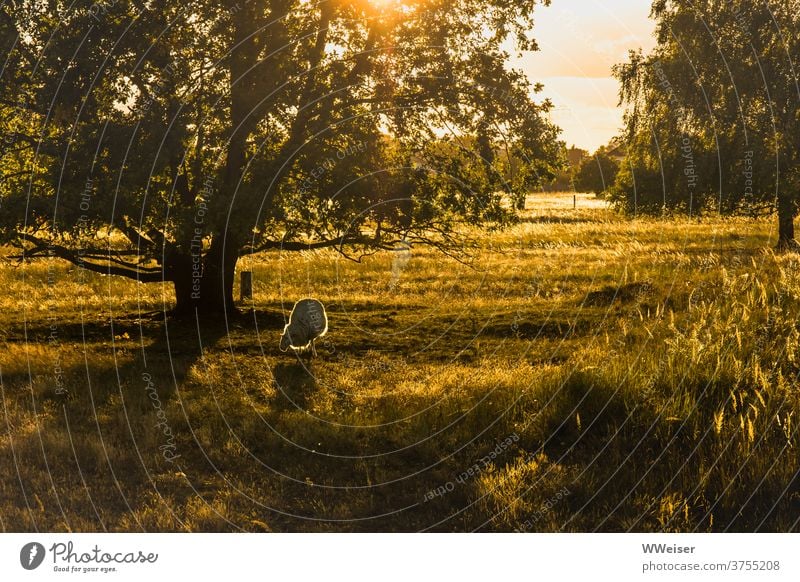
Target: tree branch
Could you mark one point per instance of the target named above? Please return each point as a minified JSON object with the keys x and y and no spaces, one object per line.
{"x":301,"y":246}
{"x":129,"y":270}
{"x":133,"y":235}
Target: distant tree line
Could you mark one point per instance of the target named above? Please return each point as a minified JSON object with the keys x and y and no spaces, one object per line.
{"x":584,"y":172}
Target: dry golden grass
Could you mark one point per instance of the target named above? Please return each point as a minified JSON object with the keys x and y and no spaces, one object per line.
{"x":645,"y":373}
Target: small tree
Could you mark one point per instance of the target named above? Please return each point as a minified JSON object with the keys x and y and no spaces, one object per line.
{"x":596,"y":173}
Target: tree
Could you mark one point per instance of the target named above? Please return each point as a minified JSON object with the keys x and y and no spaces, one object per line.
{"x":163,"y":142}
{"x":564,"y":179}
{"x":711,"y":114}
{"x":596,"y":173}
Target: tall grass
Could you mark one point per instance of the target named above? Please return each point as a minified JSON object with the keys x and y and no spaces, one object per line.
{"x":642,"y":375}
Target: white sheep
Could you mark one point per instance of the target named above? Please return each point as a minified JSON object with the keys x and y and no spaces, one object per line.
{"x":307,"y":323}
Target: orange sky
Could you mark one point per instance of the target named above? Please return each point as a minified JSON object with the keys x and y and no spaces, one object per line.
{"x":579,"y":41}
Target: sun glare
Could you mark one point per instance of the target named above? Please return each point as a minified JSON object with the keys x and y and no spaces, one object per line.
{"x":391,"y":5}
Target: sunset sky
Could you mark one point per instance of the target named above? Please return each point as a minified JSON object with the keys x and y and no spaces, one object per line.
{"x":579,"y":41}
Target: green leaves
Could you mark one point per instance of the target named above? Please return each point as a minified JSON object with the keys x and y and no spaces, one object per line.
{"x":279,"y":121}
{"x":720,"y":88}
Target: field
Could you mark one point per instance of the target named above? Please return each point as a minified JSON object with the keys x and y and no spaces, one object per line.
{"x":582,"y":373}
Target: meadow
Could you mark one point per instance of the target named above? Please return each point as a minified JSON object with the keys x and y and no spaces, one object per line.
{"x":582,"y":372}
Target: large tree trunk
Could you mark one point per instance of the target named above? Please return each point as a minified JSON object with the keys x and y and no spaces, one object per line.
{"x":204,"y":284}
{"x":185,"y":273}
{"x":205,"y":288}
{"x":787,"y":212}
{"x":211,"y":294}
{"x":219,"y":263}
{"x":219,"y":269}
{"x":184,"y":295}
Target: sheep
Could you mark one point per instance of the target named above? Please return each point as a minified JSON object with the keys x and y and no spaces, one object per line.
{"x":307,"y":323}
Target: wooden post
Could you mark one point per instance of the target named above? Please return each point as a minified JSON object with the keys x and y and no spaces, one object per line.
{"x":574,"y":201}
{"x":246,"y":288}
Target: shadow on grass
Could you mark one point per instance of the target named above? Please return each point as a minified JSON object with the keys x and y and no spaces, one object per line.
{"x":101,"y":434}
{"x":295,"y":384}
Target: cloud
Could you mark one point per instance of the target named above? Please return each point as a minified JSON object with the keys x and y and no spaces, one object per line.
{"x":580,"y":41}
{"x":585,"y":109}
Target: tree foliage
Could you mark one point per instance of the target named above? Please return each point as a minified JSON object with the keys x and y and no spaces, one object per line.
{"x":712,"y":112}
{"x":163,"y":141}
{"x":596,"y":173}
